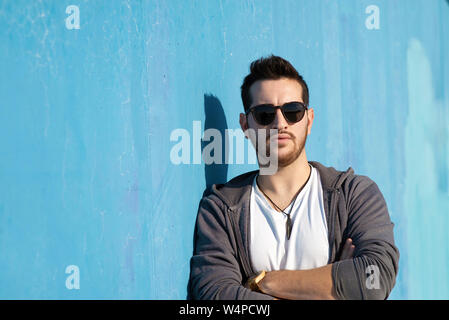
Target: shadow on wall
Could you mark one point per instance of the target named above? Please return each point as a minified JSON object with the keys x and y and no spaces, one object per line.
{"x":215,"y":118}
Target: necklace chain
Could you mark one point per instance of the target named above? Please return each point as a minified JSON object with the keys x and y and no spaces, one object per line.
{"x":294,"y":200}
{"x":289,"y":220}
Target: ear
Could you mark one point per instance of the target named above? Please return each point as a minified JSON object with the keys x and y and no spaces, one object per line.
{"x":310,"y":117}
{"x":243,"y":123}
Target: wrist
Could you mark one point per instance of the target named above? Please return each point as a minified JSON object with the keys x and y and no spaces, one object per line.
{"x":264,"y":283}
{"x":270,"y":283}
{"x":253,"y":282}
{"x":259,"y":279}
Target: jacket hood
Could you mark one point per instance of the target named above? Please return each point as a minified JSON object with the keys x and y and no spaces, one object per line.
{"x":233,"y":192}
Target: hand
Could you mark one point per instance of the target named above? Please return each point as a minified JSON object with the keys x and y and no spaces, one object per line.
{"x":348,"y":250}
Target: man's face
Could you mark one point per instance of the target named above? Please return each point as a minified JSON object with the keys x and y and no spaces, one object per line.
{"x":278,"y":92}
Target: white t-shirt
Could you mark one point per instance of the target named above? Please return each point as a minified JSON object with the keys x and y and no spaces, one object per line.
{"x":308,"y":246}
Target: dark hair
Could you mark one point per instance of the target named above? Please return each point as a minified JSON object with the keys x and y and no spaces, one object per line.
{"x":271,"y":68}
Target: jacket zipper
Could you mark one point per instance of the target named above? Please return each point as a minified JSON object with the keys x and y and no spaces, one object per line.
{"x":241,"y":251}
{"x":332,"y":215}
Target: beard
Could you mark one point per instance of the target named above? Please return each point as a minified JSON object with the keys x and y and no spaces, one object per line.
{"x":285,"y":159}
{"x":298,"y":147}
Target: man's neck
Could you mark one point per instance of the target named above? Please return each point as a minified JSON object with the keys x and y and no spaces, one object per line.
{"x":287,"y":180}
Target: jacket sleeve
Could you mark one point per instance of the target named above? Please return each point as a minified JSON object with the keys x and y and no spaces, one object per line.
{"x":371,"y":274}
{"x":214,"y":268}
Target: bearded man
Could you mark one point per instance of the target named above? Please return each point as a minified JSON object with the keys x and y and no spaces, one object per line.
{"x":306,"y":231}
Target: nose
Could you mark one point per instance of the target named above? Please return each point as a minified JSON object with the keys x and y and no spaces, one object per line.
{"x":279,"y":121}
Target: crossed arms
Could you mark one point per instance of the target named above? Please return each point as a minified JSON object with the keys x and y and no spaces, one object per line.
{"x":301,"y":284}
{"x":216,"y":272}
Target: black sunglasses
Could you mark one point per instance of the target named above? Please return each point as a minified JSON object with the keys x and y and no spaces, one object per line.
{"x":264,"y":113}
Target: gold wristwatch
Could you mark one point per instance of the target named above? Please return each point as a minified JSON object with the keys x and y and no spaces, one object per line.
{"x":254,"y":285}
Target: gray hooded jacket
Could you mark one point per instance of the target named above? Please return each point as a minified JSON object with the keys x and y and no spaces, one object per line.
{"x":354,"y":207}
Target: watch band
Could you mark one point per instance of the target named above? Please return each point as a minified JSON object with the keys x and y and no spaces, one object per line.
{"x":259,"y":278}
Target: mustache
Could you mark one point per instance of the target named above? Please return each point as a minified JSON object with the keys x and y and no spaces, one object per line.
{"x":279,"y":133}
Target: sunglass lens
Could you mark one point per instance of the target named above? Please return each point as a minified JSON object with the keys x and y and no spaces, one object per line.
{"x":264,"y":115}
{"x":294,"y":112}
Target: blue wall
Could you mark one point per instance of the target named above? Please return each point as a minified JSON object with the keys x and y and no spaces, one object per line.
{"x":86,"y":116}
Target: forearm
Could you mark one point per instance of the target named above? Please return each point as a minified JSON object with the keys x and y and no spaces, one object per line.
{"x":312,"y":284}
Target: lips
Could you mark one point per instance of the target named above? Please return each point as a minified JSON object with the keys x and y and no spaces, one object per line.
{"x":283,"y":137}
